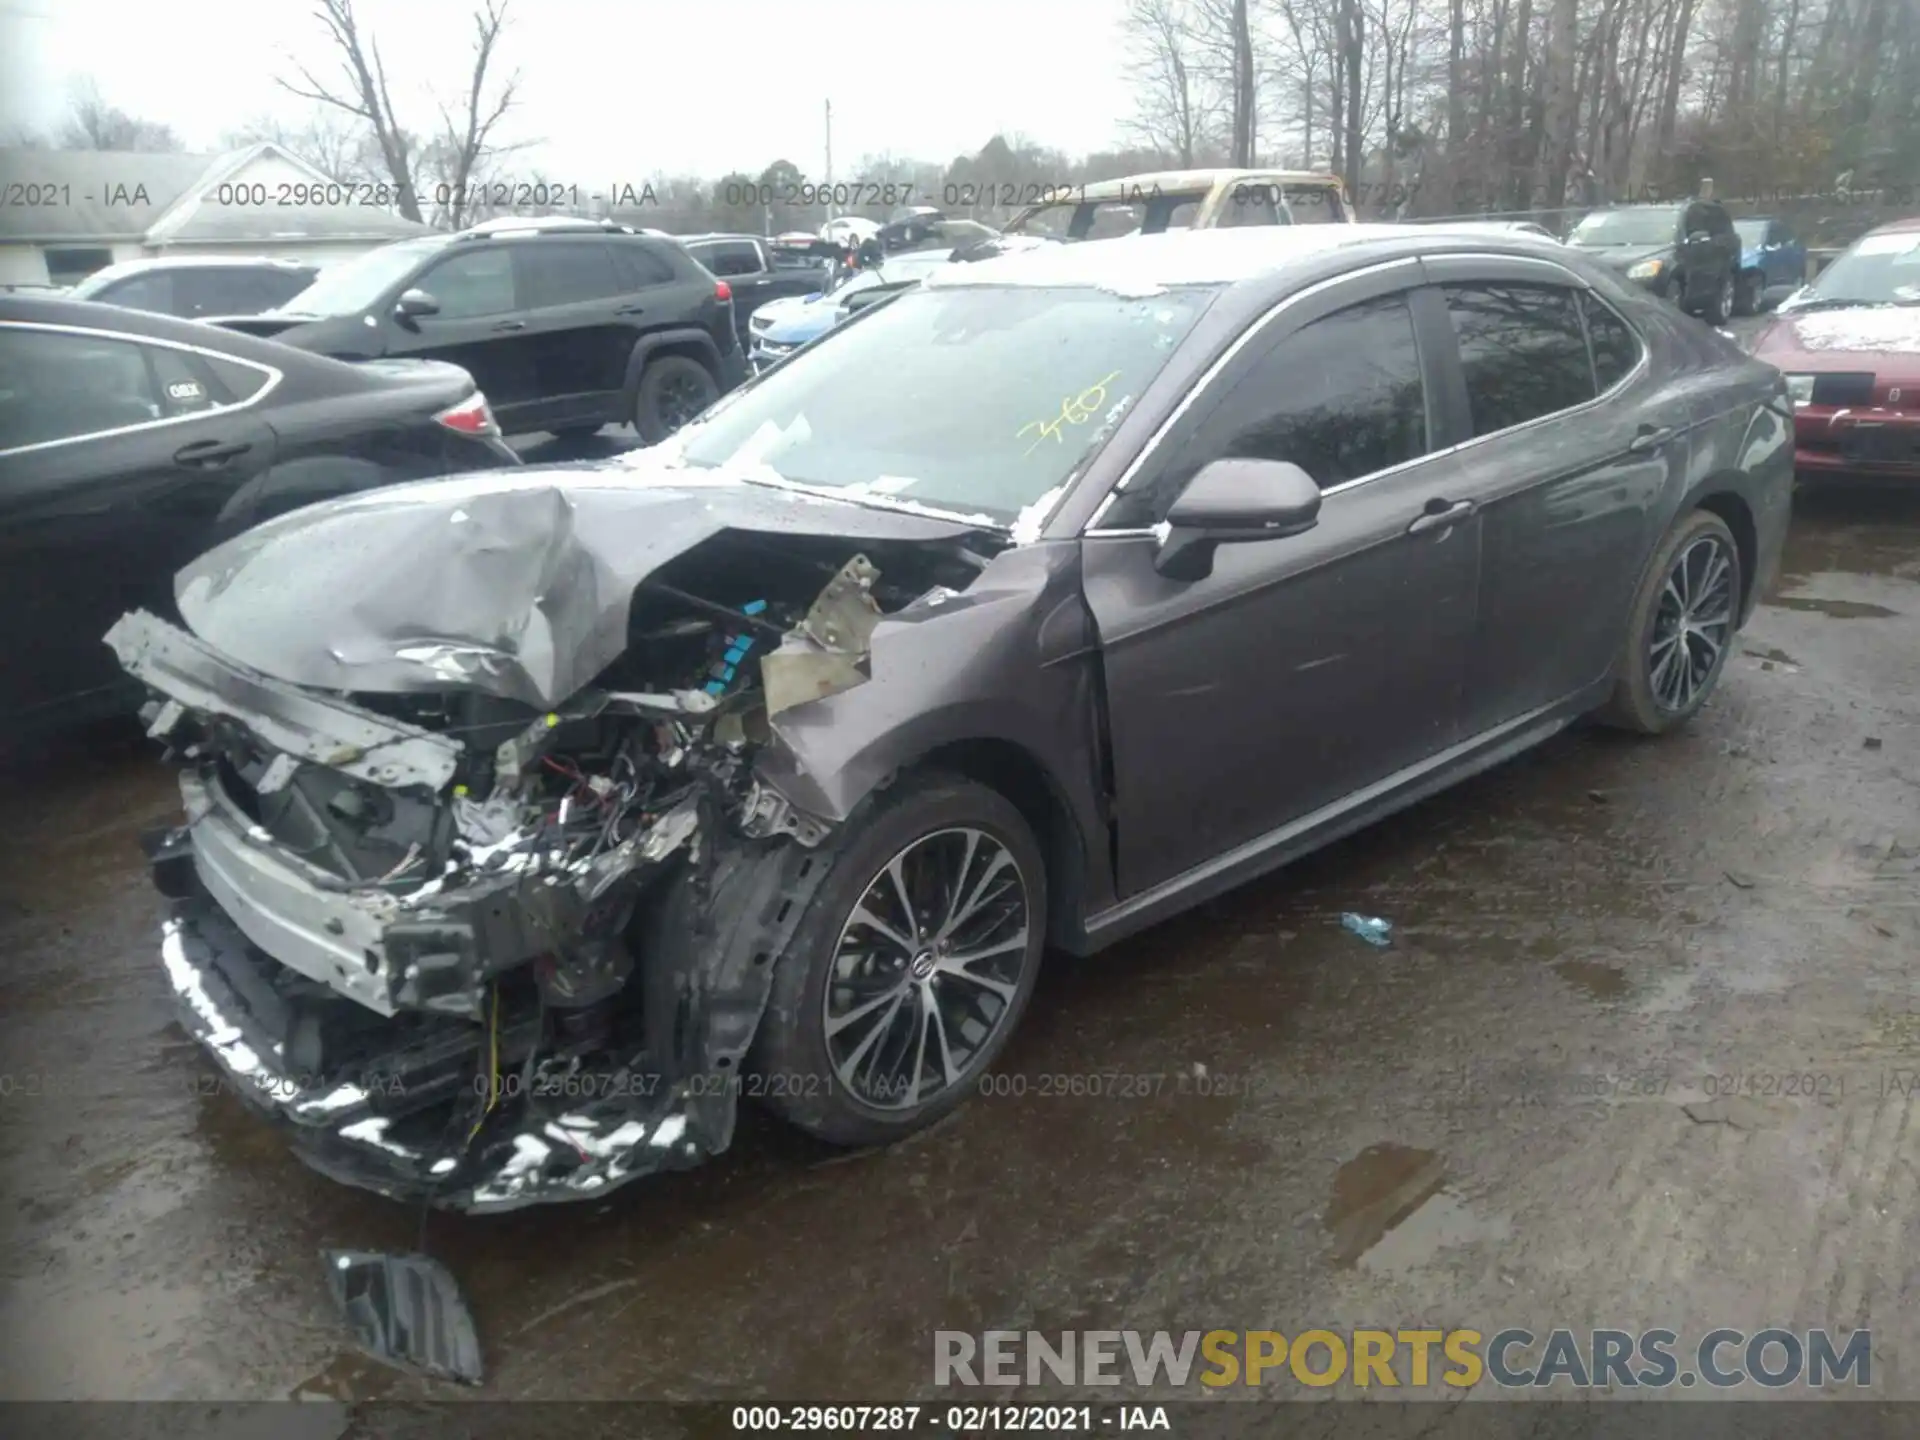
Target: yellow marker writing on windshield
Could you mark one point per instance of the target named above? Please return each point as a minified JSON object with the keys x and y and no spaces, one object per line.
{"x":1074,"y":410}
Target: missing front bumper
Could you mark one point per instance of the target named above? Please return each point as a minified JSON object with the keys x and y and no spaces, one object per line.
{"x":371,"y":1133}
{"x":708,"y":941}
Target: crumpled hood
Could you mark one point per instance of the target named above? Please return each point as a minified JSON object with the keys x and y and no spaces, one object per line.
{"x":1884,"y":338}
{"x":512,"y":583}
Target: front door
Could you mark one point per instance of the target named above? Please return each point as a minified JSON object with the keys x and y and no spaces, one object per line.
{"x":479,"y":327}
{"x":1303,"y":669}
{"x":1565,"y":483}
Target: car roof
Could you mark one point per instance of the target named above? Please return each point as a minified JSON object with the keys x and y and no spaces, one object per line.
{"x":149,"y":325}
{"x":715,"y":235}
{"x":1896,"y":227}
{"x":198,"y":262}
{"x":1142,"y":264}
{"x":1191,"y":180}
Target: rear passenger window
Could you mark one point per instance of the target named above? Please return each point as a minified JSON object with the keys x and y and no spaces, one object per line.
{"x":152,"y":291}
{"x":64,"y":387}
{"x":731,"y":257}
{"x":637,"y":266}
{"x":185,"y":385}
{"x":1523,"y":350}
{"x":242,"y":382}
{"x":1616,"y":349}
{"x":565,"y":272}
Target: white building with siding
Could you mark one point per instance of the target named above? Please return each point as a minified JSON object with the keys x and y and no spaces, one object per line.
{"x":68,"y":213}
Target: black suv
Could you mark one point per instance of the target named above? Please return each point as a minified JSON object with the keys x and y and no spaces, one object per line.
{"x":197,"y":287}
{"x":757,"y":271}
{"x":567,"y":325}
{"x":1687,"y":253}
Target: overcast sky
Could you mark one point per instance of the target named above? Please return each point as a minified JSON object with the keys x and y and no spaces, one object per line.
{"x":614,"y":90}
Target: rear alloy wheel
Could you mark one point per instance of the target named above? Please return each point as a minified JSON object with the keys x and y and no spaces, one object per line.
{"x":1681,"y":629}
{"x":912,"y":967}
{"x":673,"y":392}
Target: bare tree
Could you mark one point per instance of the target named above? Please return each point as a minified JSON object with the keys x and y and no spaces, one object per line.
{"x":1177,"y":108}
{"x":92,"y":124}
{"x":1245,"y":97}
{"x":457,"y":154}
{"x":1556,"y":150}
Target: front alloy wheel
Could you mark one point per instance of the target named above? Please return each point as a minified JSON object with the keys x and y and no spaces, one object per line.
{"x":911,"y":965}
{"x":926,"y":969}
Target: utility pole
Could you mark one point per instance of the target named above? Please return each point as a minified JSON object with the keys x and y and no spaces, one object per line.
{"x":829,"y":142}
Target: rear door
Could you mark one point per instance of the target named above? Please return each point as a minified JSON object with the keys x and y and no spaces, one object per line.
{"x":478,"y":326}
{"x":578,"y":332}
{"x":122,"y":453}
{"x":1565,"y":448}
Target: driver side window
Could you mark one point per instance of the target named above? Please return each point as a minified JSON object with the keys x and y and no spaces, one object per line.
{"x":1342,"y":398}
{"x":473,"y":284}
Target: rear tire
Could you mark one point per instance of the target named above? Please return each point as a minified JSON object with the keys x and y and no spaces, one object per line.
{"x":673,"y":390}
{"x":1720,"y":304}
{"x":1677,"y":618}
{"x":819,"y":1061}
{"x":1746,"y":294}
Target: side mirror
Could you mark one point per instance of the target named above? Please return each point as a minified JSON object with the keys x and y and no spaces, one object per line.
{"x":1231,"y":501}
{"x":412,"y":304}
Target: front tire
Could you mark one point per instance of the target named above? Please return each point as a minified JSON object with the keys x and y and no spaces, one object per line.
{"x":1680,"y":630}
{"x":673,"y":391}
{"x":911,"y":967}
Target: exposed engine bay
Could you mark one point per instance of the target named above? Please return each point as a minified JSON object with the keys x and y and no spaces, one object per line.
{"x":487,"y":953}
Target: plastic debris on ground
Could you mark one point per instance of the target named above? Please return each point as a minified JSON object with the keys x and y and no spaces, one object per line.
{"x":1370,"y":928}
{"x":408,"y":1311}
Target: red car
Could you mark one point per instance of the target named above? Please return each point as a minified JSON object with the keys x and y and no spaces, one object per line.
{"x":1850,"y":346}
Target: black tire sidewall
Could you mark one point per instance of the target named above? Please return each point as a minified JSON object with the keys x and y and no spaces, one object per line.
{"x":646,"y":399}
{"x":789,"y":1061}
{"x":1634,"y":705}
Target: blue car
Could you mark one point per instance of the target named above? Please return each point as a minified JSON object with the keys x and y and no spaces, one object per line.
{"x":780,"y":327}
{"x":1773,"y":263}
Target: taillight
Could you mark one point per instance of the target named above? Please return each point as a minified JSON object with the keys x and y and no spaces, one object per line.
{"x":472,"y":416}
{"x":722,"y":290}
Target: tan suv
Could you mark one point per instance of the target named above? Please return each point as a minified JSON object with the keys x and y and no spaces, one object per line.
{"x":1186,"y":200}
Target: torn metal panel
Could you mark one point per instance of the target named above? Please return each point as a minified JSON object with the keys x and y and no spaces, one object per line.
{"x":407,"y":1311}
{"x":826,"y":652}
{"x":297,"y":723}
{"x":509,"y":584}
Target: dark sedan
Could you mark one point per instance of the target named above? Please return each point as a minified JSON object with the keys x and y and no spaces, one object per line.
{"x":130,"y":442}
{"x":532,"y":821}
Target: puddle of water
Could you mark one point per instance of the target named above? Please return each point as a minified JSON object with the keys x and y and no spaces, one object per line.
{"x":1440,"y":1224}
{"x":1836,"y":609}
{"x":1375,"y":1191}
{"x":1601,"y":982}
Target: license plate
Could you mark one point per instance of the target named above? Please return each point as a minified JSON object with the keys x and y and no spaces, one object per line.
{"x":1881,"y":443}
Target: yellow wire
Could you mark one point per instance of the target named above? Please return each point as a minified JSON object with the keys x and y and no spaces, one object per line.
{"x":493,"y":1062}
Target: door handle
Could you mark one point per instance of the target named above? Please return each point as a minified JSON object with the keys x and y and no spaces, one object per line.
{"x":631,"y":310}
{"x":1649,"y":437}
{"x":209,"y":453}
{"x":1439,"y":514}
{"x":511,"y":325}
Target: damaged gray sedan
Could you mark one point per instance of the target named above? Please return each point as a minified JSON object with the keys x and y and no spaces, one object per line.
{"x":533,"y":820}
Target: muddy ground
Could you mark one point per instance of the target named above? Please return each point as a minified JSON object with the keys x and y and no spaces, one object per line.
{"x":1733,"y":907}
